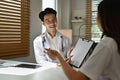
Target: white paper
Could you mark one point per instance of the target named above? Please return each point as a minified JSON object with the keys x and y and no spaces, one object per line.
{"x":80,"y":51}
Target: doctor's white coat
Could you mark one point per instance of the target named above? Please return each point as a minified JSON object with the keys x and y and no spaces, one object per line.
{"x":41,"y":42}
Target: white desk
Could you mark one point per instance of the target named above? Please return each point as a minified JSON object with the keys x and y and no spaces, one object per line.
{"x":53,"y":73}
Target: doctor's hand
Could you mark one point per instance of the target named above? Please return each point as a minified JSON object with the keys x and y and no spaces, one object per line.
{"x":69,"y":52}
{"x":68,"y":59}
{"x":51,"y":53}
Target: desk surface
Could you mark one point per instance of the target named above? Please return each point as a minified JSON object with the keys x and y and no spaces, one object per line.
{"x":53,"y":73}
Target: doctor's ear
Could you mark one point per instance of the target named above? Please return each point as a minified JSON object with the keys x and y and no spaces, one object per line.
{"x":43,"y":23}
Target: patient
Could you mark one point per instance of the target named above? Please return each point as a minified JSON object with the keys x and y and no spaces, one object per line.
{"x":104,"y":63}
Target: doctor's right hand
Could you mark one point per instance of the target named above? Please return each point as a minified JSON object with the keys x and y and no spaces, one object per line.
{"x":68,"y":59}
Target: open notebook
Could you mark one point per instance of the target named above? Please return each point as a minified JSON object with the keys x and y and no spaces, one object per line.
{"x":81,"y":52}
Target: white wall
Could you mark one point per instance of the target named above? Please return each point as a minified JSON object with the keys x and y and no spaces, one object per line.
{"x":64,"y":14}
{"x":65,"y":7}
{"x":78,"y":8}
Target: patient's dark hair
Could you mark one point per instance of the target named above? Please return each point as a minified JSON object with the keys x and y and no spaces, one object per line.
{"x":109,"y":15}
{"x":46,"y":11}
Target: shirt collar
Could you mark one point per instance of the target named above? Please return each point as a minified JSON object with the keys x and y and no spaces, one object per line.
{"x":48,"y":35}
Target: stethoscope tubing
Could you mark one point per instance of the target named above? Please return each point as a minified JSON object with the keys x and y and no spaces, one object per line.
{"x":44,"y":40}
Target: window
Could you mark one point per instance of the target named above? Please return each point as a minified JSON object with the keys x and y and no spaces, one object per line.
{"x":14,"y":28}
{"x":96,"y":34}
{"x":48,"y":3}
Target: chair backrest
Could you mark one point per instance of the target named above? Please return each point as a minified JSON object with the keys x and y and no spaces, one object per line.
{"x":67,"y":33}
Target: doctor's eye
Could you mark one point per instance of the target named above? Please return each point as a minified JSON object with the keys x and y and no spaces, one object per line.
{"x":49,"y":21}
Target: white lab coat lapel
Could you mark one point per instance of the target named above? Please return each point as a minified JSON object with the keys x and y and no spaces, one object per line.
{"x":46,"y":43}
{"x":60,"y":42}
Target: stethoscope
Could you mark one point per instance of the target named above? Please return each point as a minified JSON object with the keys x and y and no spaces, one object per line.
{"x":44,"y":40}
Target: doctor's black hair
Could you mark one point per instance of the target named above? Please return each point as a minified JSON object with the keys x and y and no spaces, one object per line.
{"x":46,"y":11}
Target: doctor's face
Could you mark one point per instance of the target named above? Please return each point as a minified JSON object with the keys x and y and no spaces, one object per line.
{"x":50,"y":22}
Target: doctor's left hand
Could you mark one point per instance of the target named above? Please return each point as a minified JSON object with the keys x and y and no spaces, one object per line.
{"x":51,"y":53}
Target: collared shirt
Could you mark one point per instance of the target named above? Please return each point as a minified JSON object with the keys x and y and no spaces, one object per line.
{"x":104,"y":63}
{"x":53,"y":41}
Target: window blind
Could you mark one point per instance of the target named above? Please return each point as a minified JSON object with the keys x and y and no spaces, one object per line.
{"x":88,"y":19}
{"x":14,"y":28}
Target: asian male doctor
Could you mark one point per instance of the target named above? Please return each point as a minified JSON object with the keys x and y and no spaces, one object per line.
{"x":52,"y":38}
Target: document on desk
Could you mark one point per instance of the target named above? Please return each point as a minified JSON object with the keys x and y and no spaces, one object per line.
{"x":80,"y":51}
{"x":23,"y":69}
